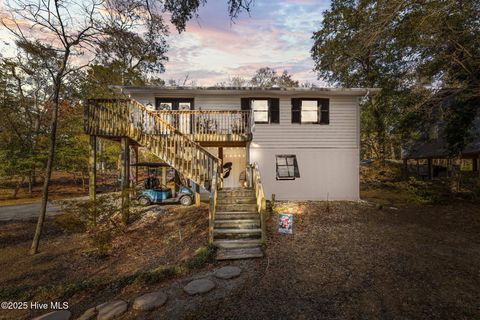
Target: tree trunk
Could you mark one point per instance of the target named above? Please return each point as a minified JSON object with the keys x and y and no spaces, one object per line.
{"x":51,"y":155}
{"x":48,"y":175}
{"x":17,"y":187}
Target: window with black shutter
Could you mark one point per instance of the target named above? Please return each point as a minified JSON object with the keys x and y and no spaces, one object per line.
{"x":264,"y":110}
{"x":308,"y":110}
{"x":287,"y":167}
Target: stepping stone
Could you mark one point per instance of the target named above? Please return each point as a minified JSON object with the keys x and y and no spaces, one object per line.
{"x":55,"y":315}
{"x":150,"y":301}
{"x":199,"y":286}
{"x":111,"y":310}
{"x":90,"y":314}
{"x":227,"y":272}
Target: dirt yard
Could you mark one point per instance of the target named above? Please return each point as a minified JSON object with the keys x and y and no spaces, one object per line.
{"x":354,"y":261}
{"x":145,"y":256}
{"x":62,"y":186}
{"x":413,"y":253}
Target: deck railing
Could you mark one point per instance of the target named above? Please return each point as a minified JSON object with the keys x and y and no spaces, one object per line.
{"x":260,"y":196}
{"x":210,"y":125}
{"x":129,"y":118}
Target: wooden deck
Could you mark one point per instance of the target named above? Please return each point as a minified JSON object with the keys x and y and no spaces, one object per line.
{"x":113,"y":118}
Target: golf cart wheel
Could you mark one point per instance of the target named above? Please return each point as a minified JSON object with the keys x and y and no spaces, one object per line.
{"x":144,"y":201}
{"x":186,"y":200}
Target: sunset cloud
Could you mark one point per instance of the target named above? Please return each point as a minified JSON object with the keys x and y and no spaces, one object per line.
{"x":276,"y":34}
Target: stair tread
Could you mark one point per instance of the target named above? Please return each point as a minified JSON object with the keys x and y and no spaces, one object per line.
{"x":230,"y":230}
{"x":237,"y":212}
{"x":240,"y":221}
{"x":252,"y":241}
{"x":239,"y":253}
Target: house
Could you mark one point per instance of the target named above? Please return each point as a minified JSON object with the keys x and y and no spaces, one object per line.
{"x":304,"y":142}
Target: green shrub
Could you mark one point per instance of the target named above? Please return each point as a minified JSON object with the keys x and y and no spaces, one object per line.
{"x":100,"y":219}
{"x":101,"y":240}
{"x":70,"y":223}
{"x":201,"y":256}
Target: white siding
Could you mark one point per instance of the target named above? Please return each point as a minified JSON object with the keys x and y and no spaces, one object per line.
{"x":328,"y":155}
{"x":340,"y":133}
{"x":331,"y":174}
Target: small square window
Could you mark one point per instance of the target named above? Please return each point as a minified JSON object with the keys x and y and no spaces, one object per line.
{"x":287,"y":167}
{"x":260,"y":111}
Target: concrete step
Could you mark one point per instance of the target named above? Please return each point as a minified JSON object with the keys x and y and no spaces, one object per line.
{"x":236,"y":200}
{"x":240,"y":253}
{"x":236,"y":215}
{"x":236,"y":207}
{"x":237,"y":233}
{"x":237,"y":224}
{"x":237,"y":243}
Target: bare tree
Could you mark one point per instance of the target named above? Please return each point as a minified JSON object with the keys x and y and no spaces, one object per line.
{"x":61,"y":33}
{"x":64,"y":36}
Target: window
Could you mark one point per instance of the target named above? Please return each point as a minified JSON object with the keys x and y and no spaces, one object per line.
{"x":260,"y":111}
{"x":264,"y":110}
{"x":287,"y":167}
{"x":174,"y":104}
{"x":309,"y":111}
{"x":165,"y":106}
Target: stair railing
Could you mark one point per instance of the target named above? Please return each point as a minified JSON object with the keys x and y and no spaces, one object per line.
{"x":261,"y":200}
{"x":213,"y":206}
{"x":129,"y":118}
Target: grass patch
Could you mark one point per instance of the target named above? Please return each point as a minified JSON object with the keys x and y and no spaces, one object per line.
{"x":201,"y":256}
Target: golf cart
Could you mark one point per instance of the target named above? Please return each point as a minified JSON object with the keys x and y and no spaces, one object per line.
{"x":171,"y":190}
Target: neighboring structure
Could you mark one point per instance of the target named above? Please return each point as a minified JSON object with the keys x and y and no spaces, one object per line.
{"x":432,"y":147}
{"x":304,"y":143}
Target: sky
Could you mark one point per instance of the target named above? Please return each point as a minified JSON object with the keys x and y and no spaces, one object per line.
{"x":276,"y":34}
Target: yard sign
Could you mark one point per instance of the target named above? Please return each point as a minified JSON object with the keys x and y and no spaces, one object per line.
{"x":285,"y":223}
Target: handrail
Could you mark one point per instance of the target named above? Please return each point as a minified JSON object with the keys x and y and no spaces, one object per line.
{"x":212,"y":207}
{"x":210,"y":125}
{"x":260,"y":196}
{"x":129,"y":118}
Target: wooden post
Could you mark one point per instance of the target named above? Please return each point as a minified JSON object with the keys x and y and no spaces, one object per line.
{"x":220,"y":156}
{"x":405,"y":168}
{"x":475,"y":164}
{"x":197,"y":195}
{"x":135,"y":150}
{"x":92,"y":169}
{"x":164,"y":176}
{"x":125,"y":176}
{"x":430,"y":168}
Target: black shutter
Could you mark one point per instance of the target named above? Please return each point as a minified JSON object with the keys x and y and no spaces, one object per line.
{"x":245,"y":104}
{"x":296,"y":110}
{"x":324,"y":111}
{"x":274,"y":110}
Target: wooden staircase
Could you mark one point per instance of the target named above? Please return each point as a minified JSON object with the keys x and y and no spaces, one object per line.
{"x":237,"y":226}
{"x":236,"y":216}
{"x":128,"y":118}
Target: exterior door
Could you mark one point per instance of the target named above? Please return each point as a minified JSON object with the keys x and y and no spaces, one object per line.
{"x":182,"y":122}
